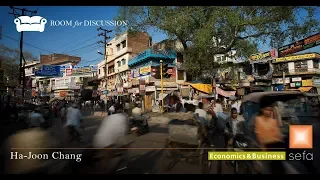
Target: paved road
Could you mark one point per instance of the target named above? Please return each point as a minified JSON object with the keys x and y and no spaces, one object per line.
{"x":150,"y":158}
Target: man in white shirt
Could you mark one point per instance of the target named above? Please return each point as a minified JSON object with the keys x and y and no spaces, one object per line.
{"x":137,"y":114}
{"x":217,"y":107}
{"x":113,"y":129}
{"x":74,"y":118}
{"x":202,"y":113}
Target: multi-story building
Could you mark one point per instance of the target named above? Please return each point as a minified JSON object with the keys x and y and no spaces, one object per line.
{"x":122,"y":48}
{"x":60,"y":86}
{"x":301,"y":72}
{"x":145,"y":75}
{"x":100,"y":78}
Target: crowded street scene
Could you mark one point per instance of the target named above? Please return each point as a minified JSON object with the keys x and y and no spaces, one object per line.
{"x":160,"y":90}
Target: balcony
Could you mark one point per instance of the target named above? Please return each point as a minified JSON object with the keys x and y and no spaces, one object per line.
{"x":154,"y":54}
{"x":122,"y":52}
{"x":308,"y":71}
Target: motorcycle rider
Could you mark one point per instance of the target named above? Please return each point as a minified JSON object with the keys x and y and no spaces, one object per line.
{"x":112,"y":133}
{"x":137,"y":114}
{"x":233,"y":126}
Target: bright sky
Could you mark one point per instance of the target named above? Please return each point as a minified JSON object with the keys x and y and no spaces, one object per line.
{"x":77,"y":41}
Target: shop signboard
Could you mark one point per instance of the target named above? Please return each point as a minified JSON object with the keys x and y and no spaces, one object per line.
{"x":307,"y":82}
{"x":292,"y":84}
{"x":145,"y":70}
{"x":298,"y":57}
{"x":298,"y":84}
{"x":301,"y":45}
{"x":49,"y":71}
{"x":264,"y":55}
{"x":280,"y":80}
{"x":296,"y":79}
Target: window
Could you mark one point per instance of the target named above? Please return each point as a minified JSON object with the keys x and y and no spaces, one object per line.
{"x":99,"y":71}
{"x":180,"y":75}
{"x":179,"y":57}
{"x":123,"y":61}
{"x":33,"y":69}
{"x":119,"y":63}
{"x":218,"y":59}
{"x":223,"y":58}
{"x":124,"y":44}
{"x":316,"y":63}
{"x":118,"y":47}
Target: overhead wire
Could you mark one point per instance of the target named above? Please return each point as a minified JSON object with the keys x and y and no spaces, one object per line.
{"x":81,"y":43}
{"x":36,"y":46}
{"x":76,"y":40}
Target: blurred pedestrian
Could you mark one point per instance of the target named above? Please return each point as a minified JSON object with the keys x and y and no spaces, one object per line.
{"x":63,"y":113}
{"x":74,"y":120}
{"x":35,"y":118}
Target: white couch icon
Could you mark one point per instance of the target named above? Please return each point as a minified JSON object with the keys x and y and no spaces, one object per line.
{"x":33,"y":23}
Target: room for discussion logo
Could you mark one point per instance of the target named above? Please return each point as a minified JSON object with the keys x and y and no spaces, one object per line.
{"x":30,"y":23}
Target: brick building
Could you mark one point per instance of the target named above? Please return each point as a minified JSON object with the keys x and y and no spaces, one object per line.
{"x":122,"y":48}
{"x":58,"y":59}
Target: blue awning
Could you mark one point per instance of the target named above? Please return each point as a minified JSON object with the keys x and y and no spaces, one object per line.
{"x":152,"y":54}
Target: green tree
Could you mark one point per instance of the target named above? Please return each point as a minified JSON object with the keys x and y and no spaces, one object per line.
{"x":208,"y":31}
{"x":10,"y":59}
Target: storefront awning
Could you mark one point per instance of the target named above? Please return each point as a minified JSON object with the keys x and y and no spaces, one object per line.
{"x":305,"y":89}
{"x":206,"y":88}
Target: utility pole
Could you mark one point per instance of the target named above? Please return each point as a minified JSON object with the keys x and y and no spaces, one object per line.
{"x":105,"y":44}
{"x":24,"y":12}
{"x":161,"y":81}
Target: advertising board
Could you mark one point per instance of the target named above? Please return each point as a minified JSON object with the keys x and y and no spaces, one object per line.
{"x":300,"y":45}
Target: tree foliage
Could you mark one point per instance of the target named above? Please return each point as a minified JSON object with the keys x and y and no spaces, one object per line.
{"x":10,"y":59}
{"x":208,"y":31}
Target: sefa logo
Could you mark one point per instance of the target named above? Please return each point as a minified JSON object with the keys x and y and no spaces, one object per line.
{"x":30,"y":23}
{"x":300,"y":137}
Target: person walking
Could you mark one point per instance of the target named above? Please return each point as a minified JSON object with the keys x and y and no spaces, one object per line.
{"x":74,"y":120}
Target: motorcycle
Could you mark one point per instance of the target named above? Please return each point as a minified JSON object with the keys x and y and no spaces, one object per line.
{"x":138,"y":127}
{"x":240,"y":144}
